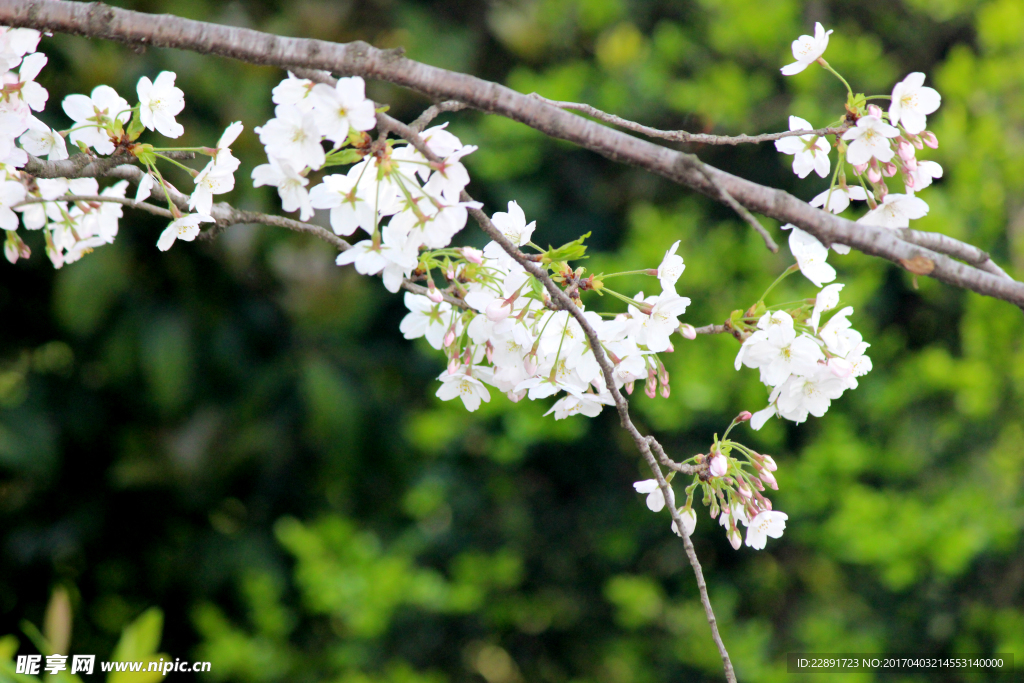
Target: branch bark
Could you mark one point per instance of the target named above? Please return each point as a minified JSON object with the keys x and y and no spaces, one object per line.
{"x":359,"y":58}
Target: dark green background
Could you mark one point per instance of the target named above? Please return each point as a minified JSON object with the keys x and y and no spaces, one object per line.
{"x":236,"y":432}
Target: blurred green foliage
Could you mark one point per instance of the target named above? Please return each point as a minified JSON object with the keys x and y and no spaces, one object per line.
{"x":236,"y":431}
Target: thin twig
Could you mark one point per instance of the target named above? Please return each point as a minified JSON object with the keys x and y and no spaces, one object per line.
{"x":736,"y":206}
{"x":143,"y":206}
{"x":682,"y":135}
{"x":432,"y":112}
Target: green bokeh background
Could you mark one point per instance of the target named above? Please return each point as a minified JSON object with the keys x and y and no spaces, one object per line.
{"x":236,"y":432}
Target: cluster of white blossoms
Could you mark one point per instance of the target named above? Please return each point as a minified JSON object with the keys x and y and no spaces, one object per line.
{"x":104,"y":124}
{"x":509,"y":338}
{"x":876,"y":145}
{"x":805,"y":365}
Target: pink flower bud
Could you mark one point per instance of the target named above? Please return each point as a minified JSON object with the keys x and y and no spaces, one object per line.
{"x":530,"y":364}
{"x":670,"y":349}
{"x":929,"y":139}
{"x":883,"y":190}
{"x":688,"y":331}
{"x":906,"y":150}
{"x":472,"y":255}
{"x":718,"y":466}
{"x":449,"y":336}
{"x":768,"y":478}
{"x":651,"y":388}
{"x":757,"y":485}
{"x":874,"y":110}
{"x":767,"y":503}
{"x":890,"y":169}
{"x":630,"y":387}
{"x":434,"y":294}
{"x":453,"y":365}
{"x":769,"y":463}
{"x":874,"y":176}
{"x":11,"y":251}
{"x":489,"y":352}
{"x":734,"y":538}
{"x":450,"y":273}
{"x":744,"y":416}
{"x":743,"y":490}
{"x":860,"y":168}
{"x":909,"y":165}
{"x":497,"y":310}
{"x":666,"y":390}
{"x":516,"y":396}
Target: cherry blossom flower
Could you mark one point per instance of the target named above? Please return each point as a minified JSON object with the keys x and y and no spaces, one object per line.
{"x":579,"y":403}
{"x":807,"y":49}
{"x":689,"y":518}
{"x":210,"y":181}
{"x":41,"y":140}
{"x":810,"y":255}
{"x":393,"y":257}
{"x":827,"y":299}
{"x":513,"y":226}
{"x":922,"y":176}
{"x":185,"y":228}
{"x":655,"y":497}
{"x":912,"y":101}
{"x":291,"y":186}
{"x":425,"y":319}
{"x":94,"y":116}
{"x":870,"y":139}
{"x":812,"y":394}
{"x":766,"y":523}
{"x":896,"y":211}
{"x":342,"y":107}
{"x":671,"y":269}
{"x":14,"y":43}
{"x":663,"y":320}
{"x":840,"y":199}
{"x":471,"y":390}
{"x":718,"y":465}
{"x":11,"y":193}
{"x":293,"y":136}
{"x":159,"y":102}
{"x":810,"y":151}
{"x":349,"y":210}
{"x":778,"y":352}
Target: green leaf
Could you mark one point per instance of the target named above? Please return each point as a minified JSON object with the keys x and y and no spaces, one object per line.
{"x":570,"y":251}
{"x":135,"y":128}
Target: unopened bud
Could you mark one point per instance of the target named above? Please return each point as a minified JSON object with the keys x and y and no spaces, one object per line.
{"x":929,"y":139}
{"x":743,"y":490}
{"x":449,"y":336}
{"x":718,"y":466}
{"x":734,"y":538}
{"x":890,"y":169}
{"x":688,"y":331}
{"x":874,"y":110}
{"x":906,"y":150}
{"x":453,"y":365}
{"x":860,"y":168}
{"x":530,"y":364}
{"x":768,"y":478}
{"x":744,"y":416}
{"x":757,"y":485}
{"x":883,"y":190}
{"x":489,"y":352}
{"x":651,"y":388}
{"x":472,"y":255}
{"x":769,"y":463}
{"x":629,"y":387}
{"x":874,"y":176}
{"x":666,"y":390}
{"x":434,"y":294}
{"x":909,"y":165}
{"x":516,"y":396}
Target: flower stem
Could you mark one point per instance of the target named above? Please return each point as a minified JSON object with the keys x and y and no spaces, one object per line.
{"x":786,"y":273}
{"x":828,"y":67}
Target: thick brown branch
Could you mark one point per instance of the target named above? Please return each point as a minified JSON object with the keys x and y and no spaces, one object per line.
{"x":682,"y":135}
{"x":358,"y":58}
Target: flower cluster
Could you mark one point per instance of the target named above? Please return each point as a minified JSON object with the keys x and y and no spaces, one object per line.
{"x":104,"y":124}
{"x":875,"y":145}
{"x":805,"y":365}
{"x":732,"y":489}
{"x":509,"y":337}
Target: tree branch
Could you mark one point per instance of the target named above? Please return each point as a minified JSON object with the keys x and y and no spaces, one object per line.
{"x":682,"y":135}
{"x":359,"y":58}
